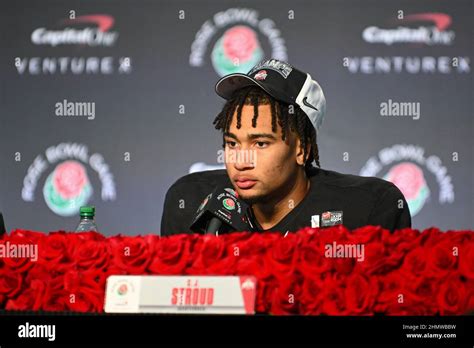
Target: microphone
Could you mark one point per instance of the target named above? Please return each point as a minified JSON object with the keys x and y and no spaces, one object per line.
{"x":2,"y":225}
{"x":221,"y":212}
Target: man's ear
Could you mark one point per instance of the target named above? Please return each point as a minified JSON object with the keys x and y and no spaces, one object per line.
{"x":300,"y":158}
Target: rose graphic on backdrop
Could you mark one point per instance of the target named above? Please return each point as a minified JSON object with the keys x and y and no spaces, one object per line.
{"x":237,"y":51}
{"x":409,"y":178}
{"x":67,"y":188}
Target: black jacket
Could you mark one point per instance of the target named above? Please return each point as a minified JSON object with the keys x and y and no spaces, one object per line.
{"x":362,"y":201}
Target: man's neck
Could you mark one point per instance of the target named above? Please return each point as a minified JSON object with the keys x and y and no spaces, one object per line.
{"x":270,"y":213}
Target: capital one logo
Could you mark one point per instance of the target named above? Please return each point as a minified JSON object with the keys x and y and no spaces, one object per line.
{"x":432,"y":31}
{"x":96,"y":33}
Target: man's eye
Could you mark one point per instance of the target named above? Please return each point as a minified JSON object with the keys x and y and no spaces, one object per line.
{"x":230,"y":143}
{"x":262,"y":144}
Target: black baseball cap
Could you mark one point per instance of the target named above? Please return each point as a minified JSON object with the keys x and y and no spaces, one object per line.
{"x":284,"y":83}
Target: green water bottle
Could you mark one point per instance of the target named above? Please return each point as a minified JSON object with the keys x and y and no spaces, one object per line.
{"x":87,"y":222}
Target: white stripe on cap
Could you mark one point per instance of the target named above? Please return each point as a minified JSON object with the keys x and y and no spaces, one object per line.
{"x":314,"y":95}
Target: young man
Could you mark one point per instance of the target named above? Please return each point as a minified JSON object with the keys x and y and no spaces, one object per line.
{"x":270,"y":123}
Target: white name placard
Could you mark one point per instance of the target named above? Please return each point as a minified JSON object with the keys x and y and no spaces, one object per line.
{"x":181,"y":294}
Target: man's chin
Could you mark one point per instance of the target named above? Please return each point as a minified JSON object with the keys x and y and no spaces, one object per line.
{"x":251,"y":197}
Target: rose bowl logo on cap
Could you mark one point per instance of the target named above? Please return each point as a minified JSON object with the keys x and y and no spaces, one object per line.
{"x":67,"y":188}
{"x":261,"y":75}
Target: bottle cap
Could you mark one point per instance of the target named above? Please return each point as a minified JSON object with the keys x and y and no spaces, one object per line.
{"x":87,"y":211}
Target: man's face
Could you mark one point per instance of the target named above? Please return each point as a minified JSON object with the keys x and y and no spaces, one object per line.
{"x":261,"y":166}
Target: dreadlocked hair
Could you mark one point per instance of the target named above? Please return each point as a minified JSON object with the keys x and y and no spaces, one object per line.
{"x":288,"y":116}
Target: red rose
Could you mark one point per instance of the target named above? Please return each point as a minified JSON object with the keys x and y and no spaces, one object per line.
{"x":379,"y":260}
{"x":470,"y":297}
{"x":282,"y":256}
{"x":344,"y":266}
{"x":210,"y":257}
{"x":171,"y":254}
{"x":55,"y":299}
{"x":423,"y":290}
{"x":114,"y":270}
{"x":311,"y":257}
{"x":366,"y":234}
{"x":391,"y":286}
{"x":410,"y":306}
{"x":430,"y":236}
{"x":402,"y":240}
{"x":31,"y":236}
{"x":131,"y":254}
{"x":85,"y":236}
{"x":248,"y":250}
{"x":86,"y":291}
{"x":263,"y":299}
{"x":328,"y":235}
{"x":244,"y":244}
{"x":396,"y":299}
{"x":452,"y":297}
{"x":311,"y":295}
{"x":466,"y":260}
{"x":39,"y":272}
{"x":237,"y":237}
{"x":442,"y":258}
{"x":334,"y":302}
{"x":10,"y":283}
{"x":54,"y":252}
{"x":398,"y":296}
{"x":76,"y":291}
{"x":286,"y":296}
{"x":461,"y":237}
{"x":91,"y":254}
{"x":360,"y":294}
{"x":340,"y":266}
{"x":414,"y":264}
{"x":29,"y":299}
{"x":253,"y":265}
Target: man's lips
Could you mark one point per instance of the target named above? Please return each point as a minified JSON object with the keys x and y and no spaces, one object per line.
{"x":245,"y":182}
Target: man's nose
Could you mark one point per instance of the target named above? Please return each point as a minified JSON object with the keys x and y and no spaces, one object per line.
{"x":244,"y":159}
